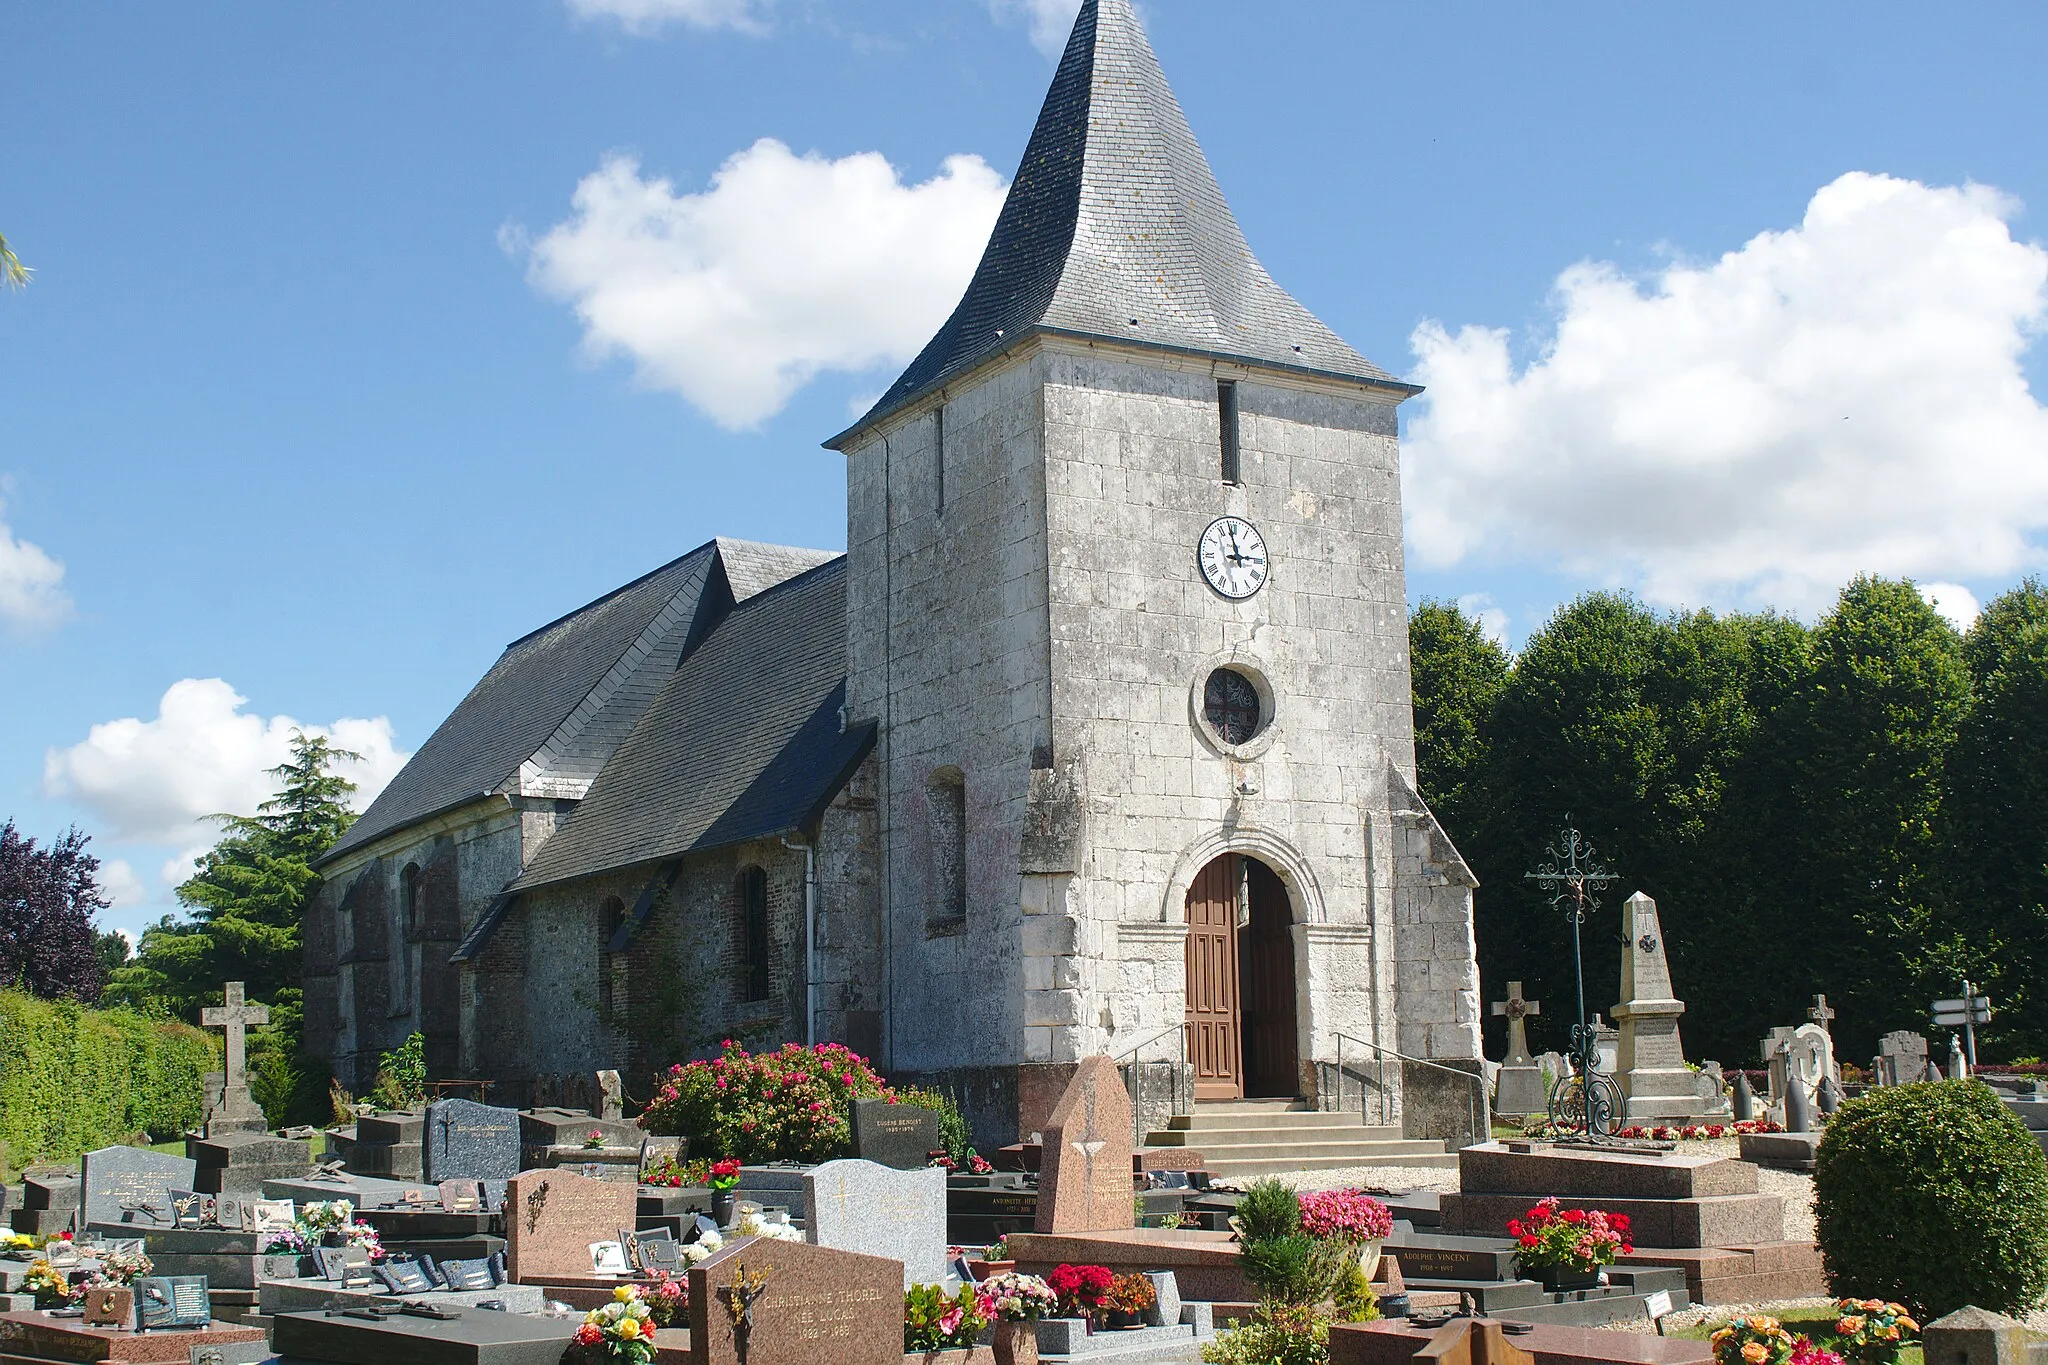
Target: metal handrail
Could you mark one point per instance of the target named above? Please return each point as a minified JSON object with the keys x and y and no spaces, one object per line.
{"x":1477,"y":1104}
{"x":1131,"y":1075}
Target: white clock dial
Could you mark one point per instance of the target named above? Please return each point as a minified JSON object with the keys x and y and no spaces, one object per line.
{"x":1232,"y":554}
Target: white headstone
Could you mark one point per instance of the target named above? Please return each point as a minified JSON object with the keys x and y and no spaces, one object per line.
{"x":875,"y":1210}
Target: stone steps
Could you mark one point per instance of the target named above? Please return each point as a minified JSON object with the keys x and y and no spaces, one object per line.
{"x":1241,"y":1139}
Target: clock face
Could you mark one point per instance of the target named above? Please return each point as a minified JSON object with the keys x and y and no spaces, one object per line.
{"x":1232,"y":554}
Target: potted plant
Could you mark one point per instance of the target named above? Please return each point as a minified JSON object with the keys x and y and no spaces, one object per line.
{"x":50,"y":1286}
{"x":934,"y":1320}
{"x":1349,"y":1216}
{"x":1565,"y":1248}
{"x":995,"y":1259}
{"x":723,"y":1179}
{"x":1017,"y":1302}
{"x":1129,"y":1298}
{"x":622,"y":1331}
{"x":1754,"y":1341}
{"x":1080,"y":1289}
{"x":594,"y":1142}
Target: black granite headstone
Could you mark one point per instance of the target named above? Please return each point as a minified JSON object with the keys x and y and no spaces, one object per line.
{"x":469,"y":1274}
{"x":469,"y":1337}
{"x":899,"y":1135}
{"x":465,"y":1140}
{"x":174,"y":1301}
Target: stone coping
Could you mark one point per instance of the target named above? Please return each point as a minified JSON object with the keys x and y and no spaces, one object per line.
{"x":313,"y":1295}
{"x":39,"y":1336}
{"x":1396,"y":1342}
{"x":1573,"y":1173}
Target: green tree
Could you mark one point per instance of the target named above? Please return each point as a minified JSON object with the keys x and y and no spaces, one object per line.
{"x":1996,"y":808}
{"x":1459,"y":677}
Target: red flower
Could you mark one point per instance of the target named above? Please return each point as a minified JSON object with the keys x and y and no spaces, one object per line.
{"x":1628,"y":1248}
{"x":1619,"y":1222}
{"x":1575,"y":1216}
{"x":1530,"y":1239}
{"x":589,"y":1334}
{"x":1514,"y":1227}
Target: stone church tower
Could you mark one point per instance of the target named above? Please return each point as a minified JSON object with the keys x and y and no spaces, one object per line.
{"x":1126,"y":608}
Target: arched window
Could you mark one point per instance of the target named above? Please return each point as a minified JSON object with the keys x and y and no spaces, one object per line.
{"x":751,"y":891}
{"x":946,"y":800}
{"x":611,"y":985}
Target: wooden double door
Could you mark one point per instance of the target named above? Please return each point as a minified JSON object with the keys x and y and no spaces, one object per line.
{"x":1240,"y":982}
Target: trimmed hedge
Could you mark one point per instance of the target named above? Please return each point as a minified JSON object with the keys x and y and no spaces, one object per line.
{"x":1934,"y":1195}
{"x":74,"y":1079}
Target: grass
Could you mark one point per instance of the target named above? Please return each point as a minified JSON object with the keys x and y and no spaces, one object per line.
{"x":1817,"y":1323}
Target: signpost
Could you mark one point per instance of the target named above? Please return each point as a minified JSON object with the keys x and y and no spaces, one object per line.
{"x":1965,"y":1013}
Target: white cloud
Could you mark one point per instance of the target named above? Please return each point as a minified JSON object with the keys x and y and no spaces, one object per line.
{"x":31,"y":583}
{"x":1493,"y":622}
{"x":1051,"y":21}
{"x":1843,"y":396}
{"x":642,"y":16}
{"x":1953,"y":601}
{"x":123,"y":889}
{"x":787,"y":266}
{"x":156,"y":781}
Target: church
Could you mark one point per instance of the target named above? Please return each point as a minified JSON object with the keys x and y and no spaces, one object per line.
{"x":1096,"y":740}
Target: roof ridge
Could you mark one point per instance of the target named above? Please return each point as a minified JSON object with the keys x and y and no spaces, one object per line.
{"x":836,"y":561}
{"x":622,"y":589}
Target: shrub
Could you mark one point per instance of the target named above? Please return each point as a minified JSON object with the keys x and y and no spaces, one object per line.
{"x":1348,"y":1215}
{"x":1275,"y":1335}
{"x":1297,"y":1269}
{"x":73,"y":1079}
{"x":1354,"y":1299}
{"x":1934,"y":1195}
{"x":791,"y":1105}
{"x":1267,"y":1209}
{"x":953,"y":1135}
{"x":402,"y":1074}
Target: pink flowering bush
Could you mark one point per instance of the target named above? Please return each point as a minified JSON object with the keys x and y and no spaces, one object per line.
{"x":1578,"y":1239}
{"x":1346,"y":1215}
{"x":794,"y":1104}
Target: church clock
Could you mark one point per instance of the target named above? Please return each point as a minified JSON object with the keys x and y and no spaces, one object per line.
{"x":1232,"y":554}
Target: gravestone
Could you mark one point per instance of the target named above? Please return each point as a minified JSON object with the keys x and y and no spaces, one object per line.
{"x":1713,"y":1089}
{"x":815,"y":1305}
{"x":611,"y":1092}
{"x":1745,"y":1100}
{"x":1519,"y":1091}
{"x":1776,"y":1049}
{"x":231,"y":1108}
{"x":132,"y":1185}
{"x":49,"y":1203}
{"x":900,"y":1135}
{"x":552,"y":1217}
{"x":1901,"y":1058}
{"x":876,"y":1211}
{"x":1084,"y":1175}
{"x":656,"y":1151}
{"x":1649,"y":1059}
{"x":465,"y":1140}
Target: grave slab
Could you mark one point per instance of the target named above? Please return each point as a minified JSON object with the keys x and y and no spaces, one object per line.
{"x":542,"y":1128}
{"x":475,"y":1337}
{"x":816,"y":1305}
{"x":465,"y":1140}
{"x":37,"y":1336}
{"x":1204,"y":1263}
{"x":1520,"y":1167}
{"x":314,"y":1295}
{"x":1780,"y":1151}
{"x":132,"y":1185}
{"x":875,"y":1210}
{"x":1396,"y":1342}
{"x":1731,"y":1220}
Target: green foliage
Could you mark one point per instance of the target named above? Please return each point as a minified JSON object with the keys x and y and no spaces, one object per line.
{"x":1934,"y":1195}
{"x":1459,"y":677}
{"x":1275,"y":1334}
{"x":953,"y":1134}
{"x":1267,"y":1209}
{"x":74,"y":1079}
{"x":402,"y":1074}
{"x":1297,"y":1269}
{"x":1354,"y":1299}
{"x":795,"y":1104}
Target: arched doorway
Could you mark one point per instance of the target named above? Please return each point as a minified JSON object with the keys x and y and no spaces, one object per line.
{"x":1240,"y":982}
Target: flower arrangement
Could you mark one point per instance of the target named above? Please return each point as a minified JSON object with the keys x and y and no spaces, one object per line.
{"x":1020,"y":1298}
{"x":14,"y":1243}
{"x":667,"y":1298}
{"x":48,"y":1284}
{"x":723,"y":1175}
{"x":330,"y":1216}
{"x":1753,"y":1341}
{"x":936,"y":1321}
{"x":707,"y":1245}
{"x":976,"y":1165}
{"x":624,"y":1328}
{"x":1804,"y":1352}
{"x":1872,"y":1331}
{"x":1080,"y":1289}
{"x":1348,"y":1215}
{"x":1575,"y":1239}
{"x":754,"y":1223}
{"x":1132,"y":1293}
{"x":594,"y":1142}
{"x":791,"y":1104}
{"x":118,"y":1268}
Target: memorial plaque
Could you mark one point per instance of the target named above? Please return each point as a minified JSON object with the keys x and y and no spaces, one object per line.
{"x":133,"y":1185}
{"x":270,"y":1215}
{"x":899,"y":1135}
{"x":110,"y":1308}
{"x":332,"y":1262}
{"x":177,"y":1301}
{"x":469,"y":1274}
{"x":868,"y":1208}
{"x":405,"y":1277}
{"x":655,"y":1151}
{"x":228,"y":1213}
{"x":609,"y":1258}
{"x":192,"y":1209}
{"x":465,"y":1140}
{"x":462,"y":1196}
{"x":816,"y":1305}
{"x":552,"y":1217}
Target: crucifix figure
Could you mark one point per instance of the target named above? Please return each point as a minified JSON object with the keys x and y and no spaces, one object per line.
{"x":1517,"y":1011}
{"x":1820,"y":1013}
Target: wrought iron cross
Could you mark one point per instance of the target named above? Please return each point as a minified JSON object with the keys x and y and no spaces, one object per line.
{"x":1574,"y":877}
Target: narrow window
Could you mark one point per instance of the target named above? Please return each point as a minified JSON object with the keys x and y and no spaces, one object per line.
{"x":947,"y":800}
{"x":1226,"y":412}
{"x":753,"y":898}
{"x":610,"y":985}
{"x":409,"y":897}
{"x":939,"y":453}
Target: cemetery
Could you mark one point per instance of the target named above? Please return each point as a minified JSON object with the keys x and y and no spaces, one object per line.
{"x":1158,"y":1034}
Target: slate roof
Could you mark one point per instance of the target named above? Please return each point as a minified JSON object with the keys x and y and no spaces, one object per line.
{"x":743,"y":743}
{"x":1115,"y":227}
{"x":542,"y":678}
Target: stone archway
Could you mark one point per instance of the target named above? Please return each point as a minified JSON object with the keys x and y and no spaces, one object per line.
{"x":1241,"y":973}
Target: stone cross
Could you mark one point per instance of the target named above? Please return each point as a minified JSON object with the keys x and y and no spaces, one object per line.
{"x":1820,"y":1013}
{"x":235,"y":1016}
{"x":1517,"y":1010}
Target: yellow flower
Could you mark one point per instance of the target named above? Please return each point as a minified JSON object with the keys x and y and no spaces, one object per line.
{"x":624,"y":1293}
{"x":1891,"y":1334}
{"x":1723,"y":1335}
{"x":629,"y":1329}
{"x":1755,"y":1353}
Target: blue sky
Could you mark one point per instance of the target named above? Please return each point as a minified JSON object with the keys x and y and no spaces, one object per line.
{"x":329,"y":383}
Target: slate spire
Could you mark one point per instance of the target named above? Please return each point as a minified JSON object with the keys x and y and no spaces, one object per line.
{"x":1115,"y":227}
